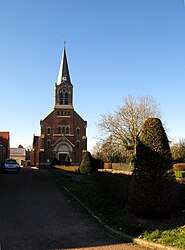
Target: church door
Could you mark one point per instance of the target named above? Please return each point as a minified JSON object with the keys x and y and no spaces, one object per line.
{"x":62,"y":158}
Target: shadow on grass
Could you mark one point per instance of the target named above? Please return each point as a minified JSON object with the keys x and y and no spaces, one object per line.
{"x":106,"y":195}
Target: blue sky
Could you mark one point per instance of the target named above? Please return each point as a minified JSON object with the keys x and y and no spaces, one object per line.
{"x":115,"y":48}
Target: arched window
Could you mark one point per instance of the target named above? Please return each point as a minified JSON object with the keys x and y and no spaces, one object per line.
{"x":59,"y":129}
{"x":67,"y":130}
{"x":64,"y":97}
{"x":63,"y":129}
{"x":48,"y":144}
{"x":61,"y":97}
{"x":48,"y":130}
{"x":77,"y":144}
{"x":78,"y":131}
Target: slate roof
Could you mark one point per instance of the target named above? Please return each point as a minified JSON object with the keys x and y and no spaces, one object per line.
{"x":63,"y":75}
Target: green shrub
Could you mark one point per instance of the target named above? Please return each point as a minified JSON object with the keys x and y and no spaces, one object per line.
{"x":67,"y":161}
{"x":179,"y":174}
{"x":153,"y":188}
{"x":55,"y":162}
{"x":86,"y":165}
{"x":97,"y":163}
{"x":122,"y":167}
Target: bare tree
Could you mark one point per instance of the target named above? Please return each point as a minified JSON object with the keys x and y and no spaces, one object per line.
{"x":109,"y":151}
{"x":178,"y":150}
{"x":125,"y":124}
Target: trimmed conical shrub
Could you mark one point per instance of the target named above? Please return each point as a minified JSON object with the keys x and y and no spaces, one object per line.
{"x":67,"y":161}
{"x":86,"y":165}
{"x":55,"y":162}
{"x":153,"y":187}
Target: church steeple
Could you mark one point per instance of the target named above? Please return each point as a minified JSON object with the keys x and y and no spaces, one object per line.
{"x":63,"y":87}
{"x":63,"y":75}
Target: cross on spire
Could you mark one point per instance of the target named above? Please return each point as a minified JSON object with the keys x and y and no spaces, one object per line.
{"x":64,"y":71}
{"x":64,"y":43}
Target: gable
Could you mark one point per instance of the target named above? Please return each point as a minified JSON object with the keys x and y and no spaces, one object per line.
{"x":63,"y":139}
{"x":48,"y":116}
{"x":79,"y":118}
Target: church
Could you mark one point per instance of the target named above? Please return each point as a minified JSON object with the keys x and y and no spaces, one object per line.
{"x":63,"y":131}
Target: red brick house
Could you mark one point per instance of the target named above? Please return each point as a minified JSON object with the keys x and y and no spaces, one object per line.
{"x":63,"y":131}
{"x":4,"y":146}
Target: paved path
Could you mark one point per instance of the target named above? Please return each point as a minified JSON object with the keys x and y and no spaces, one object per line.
{"x":36,"y":215}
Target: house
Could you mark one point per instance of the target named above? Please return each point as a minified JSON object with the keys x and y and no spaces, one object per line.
{"x":4,"y":146}
{"x":63,"y":131}
{"x":19,"y":154}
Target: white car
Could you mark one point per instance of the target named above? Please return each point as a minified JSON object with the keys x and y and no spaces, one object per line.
{"x":10,"y":165}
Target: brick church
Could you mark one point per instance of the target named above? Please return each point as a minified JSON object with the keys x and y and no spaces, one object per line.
{"x":63,"y":131}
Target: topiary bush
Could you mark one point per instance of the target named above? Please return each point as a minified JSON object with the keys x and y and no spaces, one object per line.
{"x":153,"y":187}
{"x":97,"y":163}
{"x":179,"y":174}
{"x":86,"y":165}
{"x":55,"y":162}
{"x":67,"y":161}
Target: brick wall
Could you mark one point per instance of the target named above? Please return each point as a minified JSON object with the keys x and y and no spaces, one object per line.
{"x":4,"y":146}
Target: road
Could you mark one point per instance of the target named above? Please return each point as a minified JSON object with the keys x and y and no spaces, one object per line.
{"x":36,"y":215}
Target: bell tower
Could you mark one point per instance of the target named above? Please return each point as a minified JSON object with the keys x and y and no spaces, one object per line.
{"x":63,"y":86}
{"x":63,"y":130}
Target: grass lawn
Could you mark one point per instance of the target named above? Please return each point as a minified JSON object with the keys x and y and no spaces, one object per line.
{"x":101,"y":193}
{"x":172,"y":237}
{"x":73,"y":169}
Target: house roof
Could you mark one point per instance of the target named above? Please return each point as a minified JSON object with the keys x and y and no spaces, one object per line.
{"x":18,"y":151}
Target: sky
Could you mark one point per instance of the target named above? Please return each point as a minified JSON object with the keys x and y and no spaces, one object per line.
{"x":115,"y":48}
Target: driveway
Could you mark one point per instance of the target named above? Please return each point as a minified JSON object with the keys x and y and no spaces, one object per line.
{"x":36,"y":215}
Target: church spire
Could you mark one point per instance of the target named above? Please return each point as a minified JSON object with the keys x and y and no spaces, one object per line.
{"x":63,"y":75}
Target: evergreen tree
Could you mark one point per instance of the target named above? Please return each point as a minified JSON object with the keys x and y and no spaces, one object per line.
{"x":86,"y":165}
{"x":55,"y":162}
{"x":153,"y":187}
{"x":67,"y":161}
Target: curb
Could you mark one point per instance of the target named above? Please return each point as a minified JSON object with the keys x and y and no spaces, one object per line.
{"x":140,"y":242}
{"x":151,"y":245}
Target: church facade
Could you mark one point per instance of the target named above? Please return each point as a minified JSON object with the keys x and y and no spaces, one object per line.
{"x":63,"y":131}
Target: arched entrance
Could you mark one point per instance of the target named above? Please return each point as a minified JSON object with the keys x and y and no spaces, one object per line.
{"x":62,"y":151}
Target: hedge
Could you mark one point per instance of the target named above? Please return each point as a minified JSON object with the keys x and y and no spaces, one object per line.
{"x":179,"y":174}
{"x":179,"y":166}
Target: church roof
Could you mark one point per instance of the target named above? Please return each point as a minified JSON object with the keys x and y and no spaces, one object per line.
{"x":63,"y":75}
